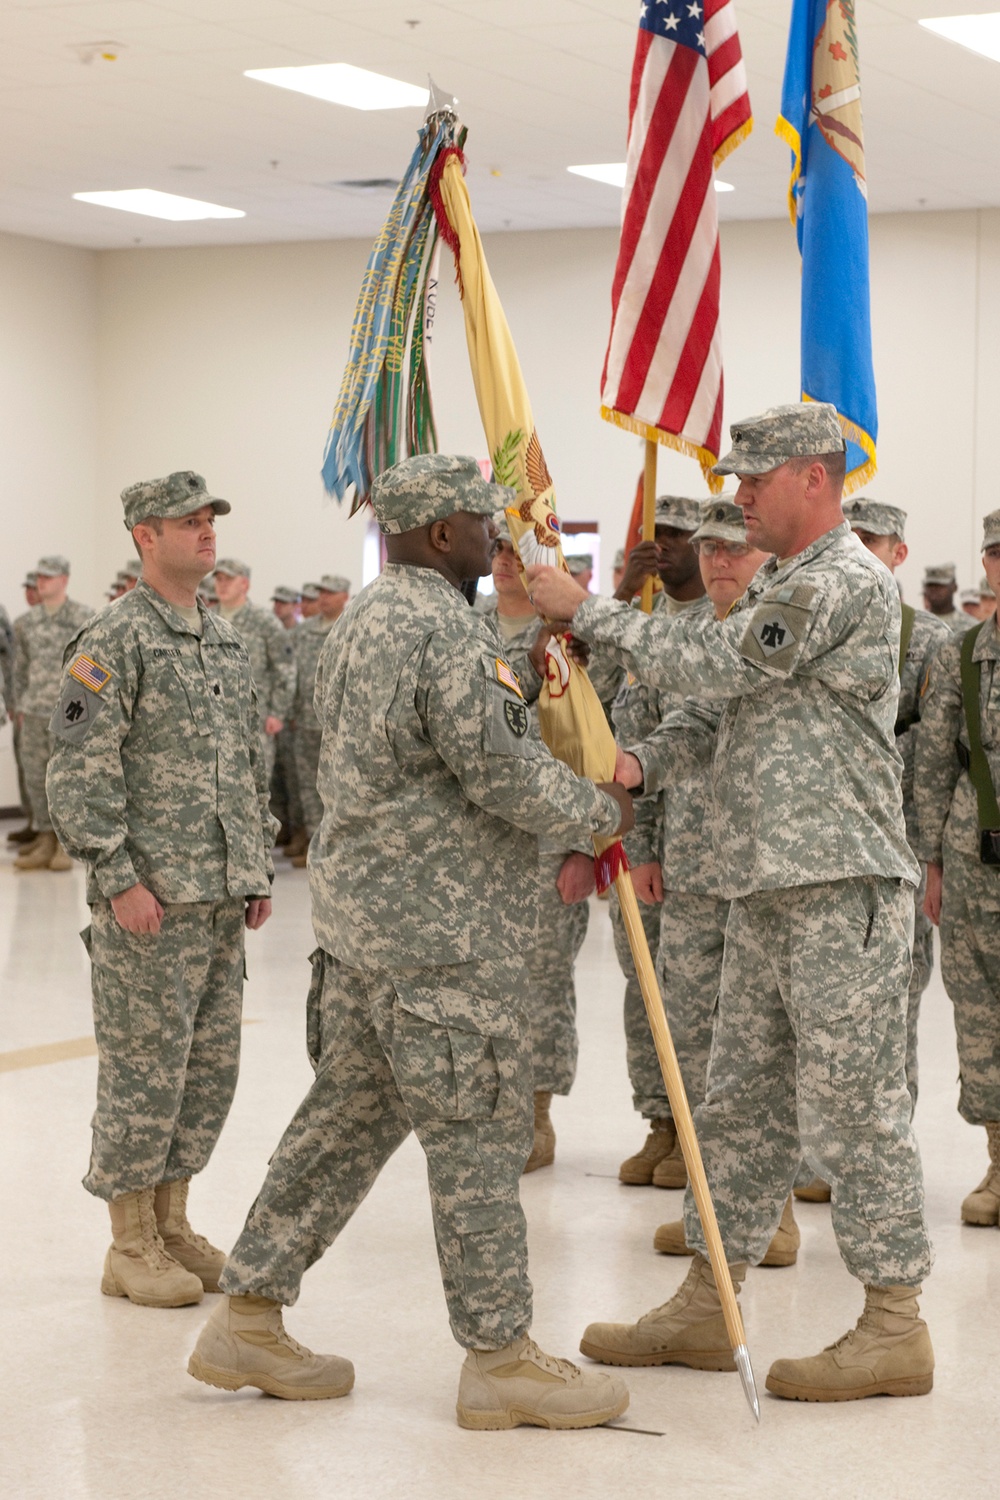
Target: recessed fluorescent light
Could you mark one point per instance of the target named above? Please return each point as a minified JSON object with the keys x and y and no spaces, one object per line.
{"x":979,"y":33}
{"x":340,"y":83}
{"x":613,"y":173}
{"x":156,"y":205}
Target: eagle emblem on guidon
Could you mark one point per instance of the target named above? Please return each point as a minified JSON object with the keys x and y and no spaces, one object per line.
{"x":836,"y":88}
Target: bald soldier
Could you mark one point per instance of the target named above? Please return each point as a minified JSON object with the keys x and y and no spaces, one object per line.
{"x":810,"y":1038}
{"x":422,"y":876}
{"x":157,"y":782}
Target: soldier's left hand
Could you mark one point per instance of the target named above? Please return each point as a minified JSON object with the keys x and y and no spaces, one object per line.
{"x":576,"y":879}
{"x":554,"y":593}
{"x":258,"y":911}
{"x":273,"y":725}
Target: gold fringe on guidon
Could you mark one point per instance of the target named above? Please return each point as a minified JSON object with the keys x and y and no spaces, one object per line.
{"x":731,"y":142}
{"x":652,"y":434}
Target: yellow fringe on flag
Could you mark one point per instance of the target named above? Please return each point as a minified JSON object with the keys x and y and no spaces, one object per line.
{"x":857,"y":435}
{"x":652,"y":434}
{"x":731,"y":142}
{"x":791,"y":137}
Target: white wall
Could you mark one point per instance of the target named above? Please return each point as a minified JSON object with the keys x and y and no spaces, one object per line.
{"x":48,"y":401}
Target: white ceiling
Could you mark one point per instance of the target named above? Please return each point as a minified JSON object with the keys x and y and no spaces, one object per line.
{"x":542,"y":85}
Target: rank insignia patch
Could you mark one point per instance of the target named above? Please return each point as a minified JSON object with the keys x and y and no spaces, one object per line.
{"x":508,"y":677}
{"x":86,"y":670}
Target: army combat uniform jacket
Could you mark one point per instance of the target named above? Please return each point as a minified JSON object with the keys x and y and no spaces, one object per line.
{"x":430,"y":778}
{"x":40,"y":639}
{"x":157,"y":773}
{"x":272,"y":659}
{"x":806,"y":777}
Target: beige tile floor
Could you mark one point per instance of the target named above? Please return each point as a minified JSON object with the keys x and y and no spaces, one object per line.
{"x":95,"y":1402}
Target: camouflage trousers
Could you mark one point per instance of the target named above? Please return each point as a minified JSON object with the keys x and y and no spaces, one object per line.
{"x":286,"y":804}
{"x":970,"y":968}
{"x":920,"y":978}
{"x":550,"y":998}
{"x":307,"y":744}
{"x":442,"y":1052}
{"x":22,"y":786}
{"x":167,"y":1021}
{"x":810,"y":1046}
{"x":649,"y":1096}
{"x":269,"y":748}
{"x":36,"y":747}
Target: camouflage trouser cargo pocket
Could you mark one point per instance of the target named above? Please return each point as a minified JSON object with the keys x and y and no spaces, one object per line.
{"x":314,"y":1008}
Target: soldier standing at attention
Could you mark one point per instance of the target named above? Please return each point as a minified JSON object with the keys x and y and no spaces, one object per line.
{"x":157,"y":782}
{"x":810,"y":1039}
{"x":423,"y":878}
{"x":285,"y":801}
{"x":28,"y":834}
{"x":939,"y":587}
{"x":671,"y":558}
{"x":309,"y":607}
{"x":272,"y":659}
{"x":957,"y":774}
{"x":40,"y":638}
{"x":310,"y":638}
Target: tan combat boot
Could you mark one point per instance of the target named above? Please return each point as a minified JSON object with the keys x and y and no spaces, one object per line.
{"x":244,"y":1343}
{"x":521,"y":1387}
{"x":298,"y":843}
{"x":816,"y":1191}
{"x":38,"y":855}
{"x":637,"y":1170}
{"x":60,"y":860}
{"x":543,"y":1152}
{"x":983,"y":1205}
{"x":782,"y":1251}
{"x":688,"y":1330}
{"x":671,"y":1172}
{"x":191,"y":1250}
{"x":888,"y":1353}
{"x":137,"y":1266}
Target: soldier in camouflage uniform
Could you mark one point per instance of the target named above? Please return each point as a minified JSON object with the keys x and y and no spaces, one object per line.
{"x":671,"y":558}
{"x":6,"y":664}
{"x":310,"y":638}
{"x":963,"y":891}
{"x":810,"y":1039}
{"x":272,"y":659}
{"x":881,"y":528}
{"x":157,"y":782}
{"x":423,"y":884}
{"x":40,"y":638}
{"x":286,"y":804}
{"x":565,"y":878}
{"x":28,"y":834}
{"x":939,"y":588}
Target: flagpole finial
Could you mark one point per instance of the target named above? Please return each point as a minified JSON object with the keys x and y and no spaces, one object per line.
{"x":439,"y":102}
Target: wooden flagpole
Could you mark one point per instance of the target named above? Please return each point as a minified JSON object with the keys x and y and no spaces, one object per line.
{"x":649,"y":515}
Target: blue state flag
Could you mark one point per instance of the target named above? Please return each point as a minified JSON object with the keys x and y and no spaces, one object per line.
{"x":821,"y":121}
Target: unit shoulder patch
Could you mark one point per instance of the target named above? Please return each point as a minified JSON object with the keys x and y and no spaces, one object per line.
{"x":76,"y":711}
{"x":777,"y":627}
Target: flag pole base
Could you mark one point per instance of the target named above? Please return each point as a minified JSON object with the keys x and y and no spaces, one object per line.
{"x":741,"y":1354}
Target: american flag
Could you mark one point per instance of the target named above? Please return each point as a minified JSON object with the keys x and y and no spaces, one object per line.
{"x":688,"y":109}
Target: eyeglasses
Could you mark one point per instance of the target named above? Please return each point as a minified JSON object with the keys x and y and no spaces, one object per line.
{"x":710,"y":545}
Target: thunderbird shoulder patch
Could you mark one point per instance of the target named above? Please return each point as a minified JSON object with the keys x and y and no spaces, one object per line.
{"x":87,"y":671}
{"x":777,"y":627}
{"x":508,"y":677}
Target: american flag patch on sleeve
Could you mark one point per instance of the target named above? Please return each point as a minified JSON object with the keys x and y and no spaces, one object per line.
{"x":85,"y":670}
{"x":508,"y":677}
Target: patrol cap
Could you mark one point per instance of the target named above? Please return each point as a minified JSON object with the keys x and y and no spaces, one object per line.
{"x":969,"y":596}
{"x":875,"y":517}
{"x":52,"y":567}
{"x":431,"y":486}
{"x":944,"y":573}
{"x":207,"y":590}
{"x":619,"y":561}
{"x":334,"y":583}
{"x":310,"y":591}
{"x":283,"y":595}
{"x":991,"y":530}
{"x":678,"y":511}
{"x":579,"y":562}
{"x":503,"y":527}
{"x":177,"y":495}
{"x":132,"y":569}
{"x":803,"y":429}
{"x":231,"y":567}
{"x":985,"y":591}
{"x":30,"y":580}
{"x":123,"y":578}
{"x":722,"y":520}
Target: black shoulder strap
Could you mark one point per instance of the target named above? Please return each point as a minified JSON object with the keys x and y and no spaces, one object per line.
{"x":979,"y":766}
{"x":905,"y":633}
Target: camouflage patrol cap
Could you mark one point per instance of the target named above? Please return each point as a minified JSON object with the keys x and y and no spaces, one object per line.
{"x":991,"y":530}
{"x":430,"y":487}
{"x":969,"y":596}
{"x":132,"y":569}
{"x":723,"y":520}
{"x":579,"y":562}
{"x":283,"y":595}
{"x":874,"y":516}
{"x":170,"y":498}
{"x":619,"y":561}
{"x":334,"y":583}
{"x":944,"y":573}
{"x":802,"y":429}
{"x":206,"y":590}
{"x":503,"y":527}
{"x":52,"y":567}
{"x":231,"y":567}
{"x":985,"y":591}
{"x":678,"y":511}
{"x":310,"y":591}
{"x":30,"y":580}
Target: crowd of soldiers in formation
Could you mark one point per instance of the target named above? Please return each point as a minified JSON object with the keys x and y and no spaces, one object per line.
{"x":701,"y":563}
